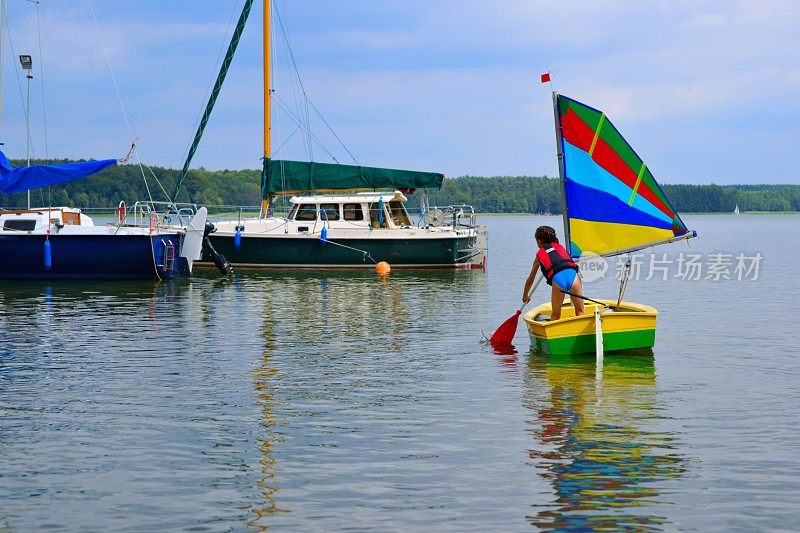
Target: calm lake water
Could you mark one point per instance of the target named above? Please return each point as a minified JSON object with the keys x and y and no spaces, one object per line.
{"x":323,"y":401}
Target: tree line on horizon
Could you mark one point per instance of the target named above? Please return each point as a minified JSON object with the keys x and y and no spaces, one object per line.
{"x":498,"y":194}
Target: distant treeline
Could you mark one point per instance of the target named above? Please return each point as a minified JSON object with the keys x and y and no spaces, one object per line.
{"x":500,"y":194}
{"x":532,"y":194}
{"x":125,"y":182}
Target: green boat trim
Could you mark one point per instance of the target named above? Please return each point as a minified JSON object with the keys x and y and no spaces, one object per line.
{"x":585,"y":344}
{"x":311,"y":252}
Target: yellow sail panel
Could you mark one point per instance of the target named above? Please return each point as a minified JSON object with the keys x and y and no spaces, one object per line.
{"x":607,"y":237}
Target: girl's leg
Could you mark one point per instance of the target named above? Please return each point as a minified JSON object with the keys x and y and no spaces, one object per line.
{"x":556,"y":301}
{"x":577,"y":288}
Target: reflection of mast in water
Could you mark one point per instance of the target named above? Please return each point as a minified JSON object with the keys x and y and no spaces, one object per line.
{"x":592,"y":446}
{"x":322,"y":310}
{"x":263,"y":376}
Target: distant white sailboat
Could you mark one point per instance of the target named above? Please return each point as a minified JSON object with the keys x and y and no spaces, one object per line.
{"x":736,"y":210}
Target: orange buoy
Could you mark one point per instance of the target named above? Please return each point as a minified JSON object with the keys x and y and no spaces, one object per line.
{"x":383,"y":268}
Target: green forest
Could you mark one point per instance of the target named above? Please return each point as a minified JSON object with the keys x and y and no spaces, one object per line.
{"x":498,"y":194}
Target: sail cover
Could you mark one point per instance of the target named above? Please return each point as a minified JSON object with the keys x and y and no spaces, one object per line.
{"x":292,"y":177}
{"x":613,"y":202}
{"x":25,"y":178}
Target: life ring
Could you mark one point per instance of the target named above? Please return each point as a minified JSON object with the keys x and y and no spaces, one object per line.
{"x":121,"y":211}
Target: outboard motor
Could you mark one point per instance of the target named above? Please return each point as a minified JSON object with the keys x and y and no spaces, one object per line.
{"x":219,"y":260}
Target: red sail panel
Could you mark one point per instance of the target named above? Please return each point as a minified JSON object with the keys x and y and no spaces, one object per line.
{"x":578,"y":133}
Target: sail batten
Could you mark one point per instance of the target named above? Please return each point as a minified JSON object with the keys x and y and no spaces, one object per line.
{"x":613,"y":204}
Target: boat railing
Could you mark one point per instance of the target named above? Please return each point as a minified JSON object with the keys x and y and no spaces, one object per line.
{"x":147,"y":212}
{"x":457,"y":216}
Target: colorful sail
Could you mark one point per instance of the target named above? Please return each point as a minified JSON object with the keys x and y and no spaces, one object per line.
{"x":613,"y":203}
{"x":25,"y":178}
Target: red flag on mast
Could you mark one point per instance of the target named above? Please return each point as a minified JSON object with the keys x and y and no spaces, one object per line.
{"x":545,"y":77}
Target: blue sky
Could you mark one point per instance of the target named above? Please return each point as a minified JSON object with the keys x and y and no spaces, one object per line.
{"x":704,"y":91}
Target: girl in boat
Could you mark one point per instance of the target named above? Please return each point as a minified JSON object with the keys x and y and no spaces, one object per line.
{"x":558,"y":269}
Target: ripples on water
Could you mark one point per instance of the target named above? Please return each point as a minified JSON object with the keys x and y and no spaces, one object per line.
{"x":312,"y":400}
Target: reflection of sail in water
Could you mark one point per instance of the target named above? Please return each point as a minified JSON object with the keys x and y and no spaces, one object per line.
{"x":594,"y":445}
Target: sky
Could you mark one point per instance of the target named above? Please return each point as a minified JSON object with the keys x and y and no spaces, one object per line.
{"x":705,"y":91}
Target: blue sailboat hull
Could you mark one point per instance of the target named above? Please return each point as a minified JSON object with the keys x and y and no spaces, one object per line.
{"x":90,"y":256}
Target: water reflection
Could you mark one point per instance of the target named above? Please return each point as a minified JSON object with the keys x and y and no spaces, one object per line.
{"x":186,"y":395}
{"x":598,"y":442}
{"x":506,"y":354}
{"x":263,"y":376}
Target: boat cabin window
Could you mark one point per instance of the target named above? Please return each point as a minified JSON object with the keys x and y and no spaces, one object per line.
{"x":292,"y":212}
{"x":399,"y":215}
{"x":19,"y":225}
{"x":329,"y":211}
{"x":306,"y":212}
{"x":353,"y":212}
{"x":374,"y":219}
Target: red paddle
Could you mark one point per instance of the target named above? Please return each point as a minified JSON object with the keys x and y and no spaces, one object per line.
{"x":505,"y":333}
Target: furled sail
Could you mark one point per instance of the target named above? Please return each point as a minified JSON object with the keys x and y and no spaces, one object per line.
{"x":25,"y":178}
{"x":613,"y":203}
{"x":292,"y":177}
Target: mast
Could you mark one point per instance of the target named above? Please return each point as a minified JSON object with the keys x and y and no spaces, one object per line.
{"x":561,"y":173}
{"x":265,"y":200}
{"x":267,"y":80}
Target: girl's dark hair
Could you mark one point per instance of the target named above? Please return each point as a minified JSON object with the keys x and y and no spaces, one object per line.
{"x":546,"y":234}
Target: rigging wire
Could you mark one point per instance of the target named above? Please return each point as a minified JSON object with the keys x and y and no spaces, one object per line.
{"x":220,"y":80}
{"x":41,"y":82}
{"x":298,"y":89}
{"x":319,"y":114}
{"x":213,"y":76}
{"x":44,"y":107}
{"x":274,"y":76}
{"x":306,"y":98}
{"x":16,"y":73}
{"x":122,"y":106}
{"x":2,"y":44}
{"x":286,"y":109}
{"x":278,"y":149}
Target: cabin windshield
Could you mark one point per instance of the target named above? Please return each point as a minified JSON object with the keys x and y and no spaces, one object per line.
{"x":306,"y":212}
{"x":399,"y":214}
{"x":19,"y":225}
{"x":329,"y":211}
{"x":353,"y":212}
{"x":292,"y":212}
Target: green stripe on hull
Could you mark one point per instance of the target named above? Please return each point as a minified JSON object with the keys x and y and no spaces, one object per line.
{"x":612,"y":342}
{"x":309,"y":252}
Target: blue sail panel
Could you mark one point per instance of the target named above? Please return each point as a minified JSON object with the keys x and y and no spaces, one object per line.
{"x":25,"y":178}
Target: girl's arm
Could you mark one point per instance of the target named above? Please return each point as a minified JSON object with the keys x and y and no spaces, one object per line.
{"x":528,"y":282}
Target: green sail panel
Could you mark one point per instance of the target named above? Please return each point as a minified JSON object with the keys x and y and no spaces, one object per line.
{"x":291,"y":177}
{"x":605,"y":130}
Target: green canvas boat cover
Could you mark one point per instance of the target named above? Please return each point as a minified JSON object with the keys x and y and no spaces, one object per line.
{"x":291,"y":177}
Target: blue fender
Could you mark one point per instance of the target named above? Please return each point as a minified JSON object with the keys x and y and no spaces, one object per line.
{"x":48,"y":255}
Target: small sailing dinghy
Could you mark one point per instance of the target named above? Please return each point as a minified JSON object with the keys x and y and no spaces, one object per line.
{"x":612,"y":206}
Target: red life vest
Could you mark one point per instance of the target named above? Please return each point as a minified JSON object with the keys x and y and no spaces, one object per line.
{"x":554,"y":259}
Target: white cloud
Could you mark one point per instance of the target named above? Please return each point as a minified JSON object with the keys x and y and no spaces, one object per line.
{"x":449,"y":85}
